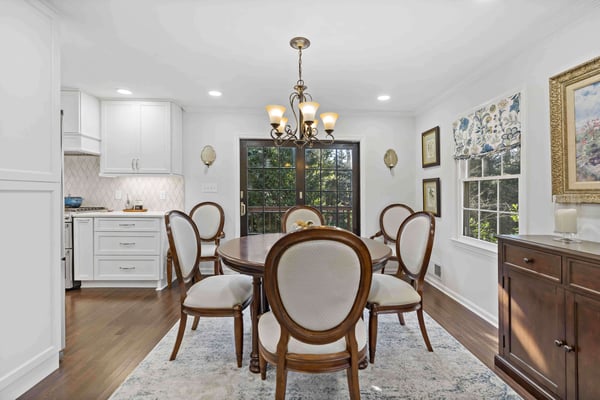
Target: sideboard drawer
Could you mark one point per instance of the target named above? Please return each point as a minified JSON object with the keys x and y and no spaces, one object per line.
{"x":127,"y":224}
{"x":134,"y":243}
{"x":583,"y":275}
{"x":546,"y":264}
{"x":126,"y":268}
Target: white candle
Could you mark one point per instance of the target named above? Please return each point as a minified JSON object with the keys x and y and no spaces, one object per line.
{"x":565,"y":220}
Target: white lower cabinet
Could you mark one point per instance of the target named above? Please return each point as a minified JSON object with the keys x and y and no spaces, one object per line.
{"x":127,"y":251}
{"x":83,"y":248}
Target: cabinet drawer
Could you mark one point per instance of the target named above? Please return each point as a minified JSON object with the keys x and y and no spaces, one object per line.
{"x":546,"y":264}
{"x":583,"y":275}
{"x":138,"y":243}
{"x":127,"y":224}
{"x":126,"y":268}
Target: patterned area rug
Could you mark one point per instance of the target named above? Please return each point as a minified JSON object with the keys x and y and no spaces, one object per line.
{"x":205,"y":368}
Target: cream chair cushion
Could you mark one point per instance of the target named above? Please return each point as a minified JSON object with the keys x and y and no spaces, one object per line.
{"x":220,"y":291}
{"x":269,"y":331}
{"x":388,"y":290}
{"x":207,"y":219}
{"x":207,"y":249}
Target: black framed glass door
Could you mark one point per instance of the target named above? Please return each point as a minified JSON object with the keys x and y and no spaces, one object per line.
{"x":273,"y":179}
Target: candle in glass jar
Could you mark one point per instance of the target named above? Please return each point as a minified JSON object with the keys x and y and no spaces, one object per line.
{"x":565,"y":220}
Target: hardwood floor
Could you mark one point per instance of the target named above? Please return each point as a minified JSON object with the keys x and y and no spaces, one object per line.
{"x":109,"y":331}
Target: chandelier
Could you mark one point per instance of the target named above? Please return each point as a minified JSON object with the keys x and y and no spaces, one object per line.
{"x":304,"y":109}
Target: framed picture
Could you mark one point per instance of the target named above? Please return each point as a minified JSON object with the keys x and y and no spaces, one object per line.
{"x":430,"y":147}
{"x":575,"y":134}
{"x":432,"y":196}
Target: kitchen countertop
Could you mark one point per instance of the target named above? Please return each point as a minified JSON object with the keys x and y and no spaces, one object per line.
{"x":119,"y":214}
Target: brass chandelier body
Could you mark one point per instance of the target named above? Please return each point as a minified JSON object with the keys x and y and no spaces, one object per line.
{"x":304,"y":110}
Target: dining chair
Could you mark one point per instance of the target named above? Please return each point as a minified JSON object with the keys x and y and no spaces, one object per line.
{"x":391,"y":293}
{"x":210,"y":296}
{"x":390,"y":219}
{"x":300,"y":213}
{"x":317,"y":281}
{"x":210,"y":219}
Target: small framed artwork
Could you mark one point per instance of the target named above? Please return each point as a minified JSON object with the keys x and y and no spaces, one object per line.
{"x":575,"y":133}
{"x":432,"y":196}
{"x":430,"y":147}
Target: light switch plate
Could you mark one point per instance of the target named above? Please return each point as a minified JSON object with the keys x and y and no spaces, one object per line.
{"x":162,"y":195}
{"x":209,"y":188}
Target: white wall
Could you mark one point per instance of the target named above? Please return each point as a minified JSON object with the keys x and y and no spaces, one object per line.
{"x":468,"y":273}
{"x":223,"y":130}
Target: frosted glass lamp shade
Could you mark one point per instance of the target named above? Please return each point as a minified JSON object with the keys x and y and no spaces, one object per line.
{"x":281,"y":127}
{"x":275,"y":114}
{"x":309,"y":110}
{"x":329,"y":120}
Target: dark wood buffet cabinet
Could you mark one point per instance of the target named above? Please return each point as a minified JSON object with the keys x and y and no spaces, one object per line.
{"x":549,"y":315}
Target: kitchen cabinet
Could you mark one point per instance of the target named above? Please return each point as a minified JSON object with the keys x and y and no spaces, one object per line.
{"x":549,"y":315}
{"x":81,"y":122}
{"x":141,"y":137}
{"x":128,"y":249}
{"x":83,"y":248}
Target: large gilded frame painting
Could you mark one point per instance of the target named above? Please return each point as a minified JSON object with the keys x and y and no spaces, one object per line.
{"x":575,"y":133}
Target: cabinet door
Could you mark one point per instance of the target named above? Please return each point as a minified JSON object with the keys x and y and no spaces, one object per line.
{"x":83,"y":248}
{"x":535,"y":321}
{"x":120,"y":137}
{"x":583,"y":325}
{"x":69,"y":102}
{"x":155,"y":138}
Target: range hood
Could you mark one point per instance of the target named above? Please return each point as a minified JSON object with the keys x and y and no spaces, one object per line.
{"x":81,"y":122}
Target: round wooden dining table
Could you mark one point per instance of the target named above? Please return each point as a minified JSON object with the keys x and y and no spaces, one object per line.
{"x":247,"y":256}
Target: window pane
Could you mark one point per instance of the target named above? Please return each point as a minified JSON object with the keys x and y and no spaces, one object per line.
{"x":474,"y":168}
{"x":313,"y":199}
{"x":329,"y":199}
{"x":344,"y":160}
{"x":345,"y":219}
{"x":492,"y":165}
{"x":271,"y":198}
{"x":489,"y":195}
{"x":471,"y":194}
{"x":345,"y":180}
{"x":328,"y":181}
{"x":288,"y":198}
{"x":488,"y":226}
{"x":312,"y":158}
{"x":272,"y":222}
{"x":470,"y":224}
{"x":255,"y":223}
{"x":328,"y":158}
{"x":256,"y":198}
{"x":509,"y":195}
{"x":288,"y":179}
{"x":509,"y":224}
{"x":329,"y":218}
{"x":255,"y":157}
{"x":512,"y":161}
{"x":312,"y":180}
{"x":345,"y":199}
{"x":271,"y":178}
{"x":255,"y":179}
{"x":271,"y":157}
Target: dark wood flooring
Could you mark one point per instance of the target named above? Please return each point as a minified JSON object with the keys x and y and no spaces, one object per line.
{"x":109,"y":331}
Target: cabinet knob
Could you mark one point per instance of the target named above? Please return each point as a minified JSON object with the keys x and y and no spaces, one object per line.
{"x":559,"y":343}
{"x":568,"y":348}
{"x":527,"y":260}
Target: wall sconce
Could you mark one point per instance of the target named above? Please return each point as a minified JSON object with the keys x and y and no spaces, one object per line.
{"x":390,"y":159}
{"x":208,"y":155}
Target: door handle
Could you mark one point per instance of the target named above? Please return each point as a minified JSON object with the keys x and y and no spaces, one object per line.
{"x":242,"y":208}
{"x":133,"y":164}
{"x":137,"y":164}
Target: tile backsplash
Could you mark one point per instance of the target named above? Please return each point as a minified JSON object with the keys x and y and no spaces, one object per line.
{"x":81,"y":178}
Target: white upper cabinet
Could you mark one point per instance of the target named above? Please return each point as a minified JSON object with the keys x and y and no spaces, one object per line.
{"x":141,"y":137}
{"x":81,"y":122}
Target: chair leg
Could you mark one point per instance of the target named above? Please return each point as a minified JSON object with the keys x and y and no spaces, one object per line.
{"x":169,"y":268}
{"x":238,"y":327}
{"x":353,"y":386}
{"x":281,"y":383}
{"x":401,"y":318}
{"x":195,"y":324}
{"x":262,"y":365}
{"x":423,"y":329}
{"x":180,"y":333}
{"x":372,"y":333}
{"x":218,"y":267}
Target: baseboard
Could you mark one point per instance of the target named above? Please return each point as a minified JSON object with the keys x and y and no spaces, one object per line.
{"x":20,"y":380}
{"x":483,"y":314}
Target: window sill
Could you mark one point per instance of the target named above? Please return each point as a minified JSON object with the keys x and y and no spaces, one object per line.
{"x":476,"y":246}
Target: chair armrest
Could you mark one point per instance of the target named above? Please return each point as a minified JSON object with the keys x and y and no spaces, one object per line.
{"x":376,"y":235}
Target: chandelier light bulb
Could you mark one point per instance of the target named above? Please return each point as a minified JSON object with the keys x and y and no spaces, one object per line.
{"x":281,"y":127}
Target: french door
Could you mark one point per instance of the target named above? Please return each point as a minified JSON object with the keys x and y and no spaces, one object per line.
{"x":273,"y":179}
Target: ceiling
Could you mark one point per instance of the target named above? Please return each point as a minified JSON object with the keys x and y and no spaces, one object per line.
{"x":412,"y":50}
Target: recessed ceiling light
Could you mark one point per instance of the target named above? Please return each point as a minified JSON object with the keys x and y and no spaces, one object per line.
{"x":383,"y":97}
{"x":123,"y":91}
{"x":215,"y":93}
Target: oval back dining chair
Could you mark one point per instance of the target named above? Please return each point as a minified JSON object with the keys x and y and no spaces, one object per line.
{"x":211,"y":296}
{"x":391,"y":293}
{"x":390,"y":219}
{"x":300,"y":213}
{"x":316,"y":281}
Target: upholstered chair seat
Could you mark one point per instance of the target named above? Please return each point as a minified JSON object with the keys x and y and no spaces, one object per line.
{"x":270,"y":331}
{"x":219,"y":292}
{"x":387,"y":290}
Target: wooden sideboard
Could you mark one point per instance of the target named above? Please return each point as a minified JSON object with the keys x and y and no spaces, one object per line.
{"x":549,"y":315}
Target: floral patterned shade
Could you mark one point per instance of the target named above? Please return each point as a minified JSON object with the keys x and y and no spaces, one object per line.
{"x":494,"y":128}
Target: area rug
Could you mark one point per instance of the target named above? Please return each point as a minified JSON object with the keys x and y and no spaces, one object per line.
{"x":205,"y":368}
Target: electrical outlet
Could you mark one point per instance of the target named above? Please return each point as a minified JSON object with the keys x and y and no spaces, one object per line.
{"x":118,"y":195}
{"x":162,"y":195}
{"x":437,"y":270}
